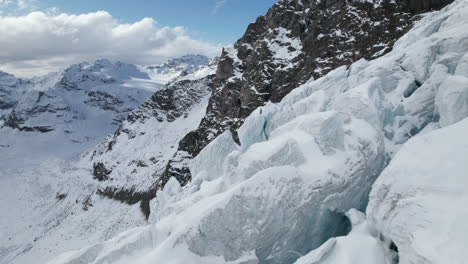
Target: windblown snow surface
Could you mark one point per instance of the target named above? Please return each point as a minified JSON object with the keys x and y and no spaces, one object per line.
{"x":307,"y":162}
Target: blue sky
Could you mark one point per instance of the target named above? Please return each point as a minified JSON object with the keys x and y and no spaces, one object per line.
{"x":216,"y":21}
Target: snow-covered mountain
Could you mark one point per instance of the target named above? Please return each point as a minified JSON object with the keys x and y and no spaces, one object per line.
{"x":63,"y":114}
{"x":323,"y":110}
{"x":66,"y":113}
{"x":8,"y":97}
{"x":288,"y":193}
{"x":177,"y":67}
{"x":48,"y":122}
{"x":151,"y":134}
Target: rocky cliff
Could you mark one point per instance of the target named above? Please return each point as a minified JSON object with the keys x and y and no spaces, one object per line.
{"x":295,"y":41}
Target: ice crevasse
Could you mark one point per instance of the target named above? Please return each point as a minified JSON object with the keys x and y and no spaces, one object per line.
{"x":288,"y":193}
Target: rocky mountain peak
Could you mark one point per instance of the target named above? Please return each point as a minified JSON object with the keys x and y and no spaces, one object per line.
{"x":295,"y":41}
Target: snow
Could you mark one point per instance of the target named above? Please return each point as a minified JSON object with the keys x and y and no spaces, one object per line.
{"x":153,"y":143}
{"x":81,"y":106}
{"x":305,"y":166}
{"x":283,"y":47}
{"x":358,"y":247}
{"x":306,"y":161}
{"x":56,"y":208}
{"x":452,"y":99}
{"x":40,"y":226}
{"x":419,"y":201}
{"x":152,"y":140}
{"x":177,"y":67}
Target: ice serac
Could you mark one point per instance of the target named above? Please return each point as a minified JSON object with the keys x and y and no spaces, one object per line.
{"x":294,"y":42}
{"x":419,"y":201}
{"x":304,"y":162}
{"x":358,"y":247}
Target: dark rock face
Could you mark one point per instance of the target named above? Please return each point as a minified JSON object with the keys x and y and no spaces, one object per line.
{"x":175,"y":103}
{"x":103,"y":100}
{"x":16,"y":122}
{"x":172,"y":102}
{"x":100,"y":172}
{"x":186,"y":64}
{"x":8,"y":85}
{"x":166,"y":105}
{"x":293,"y":42}
{"x":420,"y":6}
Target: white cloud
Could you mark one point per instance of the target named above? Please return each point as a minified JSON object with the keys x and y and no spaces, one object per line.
{"x":38,"y":43}
{"x":218,"y":5}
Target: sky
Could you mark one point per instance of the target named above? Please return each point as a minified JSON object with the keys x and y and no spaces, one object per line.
{"x":41,"y":36}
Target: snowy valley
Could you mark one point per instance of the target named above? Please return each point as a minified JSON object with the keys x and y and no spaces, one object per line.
{"x":331,"y":132}
{"x":47,"y":125}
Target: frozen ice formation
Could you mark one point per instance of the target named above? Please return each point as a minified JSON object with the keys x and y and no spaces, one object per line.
{"x":304,"y":163}
{"x":419,"y":201}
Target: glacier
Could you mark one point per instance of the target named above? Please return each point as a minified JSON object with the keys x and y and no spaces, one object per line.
{"x":418,"y":201}
{"x":292,"y":190}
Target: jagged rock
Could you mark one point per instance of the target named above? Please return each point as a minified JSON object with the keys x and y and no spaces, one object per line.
{"x":425,"y":5}
{"x":294,"y":41}
{"x":170,"y":113}
{"x":100,"y":172}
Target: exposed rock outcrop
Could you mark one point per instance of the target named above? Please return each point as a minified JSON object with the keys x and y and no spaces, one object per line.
{"x":294,"y":41}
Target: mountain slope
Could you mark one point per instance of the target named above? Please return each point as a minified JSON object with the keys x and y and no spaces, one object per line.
{"x":61,"y":115}
{"x":293,"y":42}
{"x":50,"y":203}
{"x":140,"y":149}
{"x":306,"y":161}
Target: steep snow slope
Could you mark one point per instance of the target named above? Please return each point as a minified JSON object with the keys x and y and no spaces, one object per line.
{"x":49,"y":209}
{"x":304,"y":162}
{"x":141,"y":147}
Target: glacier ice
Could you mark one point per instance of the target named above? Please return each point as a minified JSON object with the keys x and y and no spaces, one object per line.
{"x":358,"y":247}
{"x":306,"y":161}
{"x":419,"y":201}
